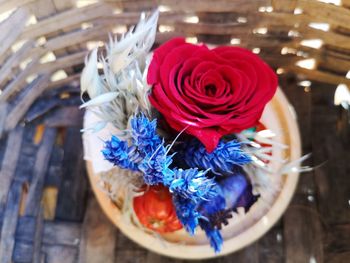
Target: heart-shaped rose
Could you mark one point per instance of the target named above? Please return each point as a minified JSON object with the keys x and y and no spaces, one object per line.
{"x":210,"y":92}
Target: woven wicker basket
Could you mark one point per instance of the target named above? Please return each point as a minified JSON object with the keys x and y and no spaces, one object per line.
{"x":42,"y":50}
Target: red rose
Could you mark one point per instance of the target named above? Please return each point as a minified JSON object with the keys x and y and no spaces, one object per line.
{"x":211,"y":92}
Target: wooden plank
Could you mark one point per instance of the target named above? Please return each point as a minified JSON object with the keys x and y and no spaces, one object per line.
{"x":337,"y":239}
{"x":54,"y":173}
{"x":60,"y":63}
{"x":6,"y":5}
{"x":23,"y":252}
{"x":302,"y":225}
{"x":3,"y":116}
{"x":39,"y":172}
{"x":248,"y":254}
{"x":64,"y":89}
{"x":73,"y":188}
{"x":69,"y":39}
{"x":62,"y":233}
{"x":65,"y":19}
{"x":10,"y":29}
{"x":36,"y":68}
{"x":98,"y":237}
{"x":59,"y":254}
{"x":271,"y":245}
{"x":38,"y":237}
{"x":329,"y":38}
{"x":49,"y":200}
{"x":132,"y":255}
{"x":33,"y":91}
{"x":61,"y":6}
{"x":318,"y":75}
{"x":76,"y":37}
{"x":71,"y":80}
{"x":326,"y":59}
{"x":330,"y":146}
{"x":9,"y":163}
{"x":193,"y":5}
{"x":338,"y":257}
{"x":43,"y":9}
{"x":156,"y":258}
{"x":40,"y":68}
{"x":10,"y":222}
{"x":125,"y":243}
{"x":50,"y":101}
{"x":319,"y":10}
{"x":303,"y":231}
{"x":6,"y":70}
{"x":67,"y":116}
{"x":129,"y":18}
{"x":26,"y":229}
{"x":53,"y":232}
{"x":283,"y":6}
{"x":18,"y":83}
{"x":25,"y":164}
{"x":40,"y":108}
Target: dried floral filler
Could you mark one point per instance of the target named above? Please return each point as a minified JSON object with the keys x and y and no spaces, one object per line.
{"x":186,"y":117}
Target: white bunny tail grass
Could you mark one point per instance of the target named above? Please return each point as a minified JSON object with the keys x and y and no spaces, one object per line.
{"x":121,"y":90}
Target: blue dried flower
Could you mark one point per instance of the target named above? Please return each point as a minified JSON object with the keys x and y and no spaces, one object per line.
{"x":144,"y":134}
{"x":247,"y":199}
{"x":237,"y":191}
{"x":213,"y":235}
{"x":191,"y":187}
{"x":222,"y":160}
{"x":187,"y":213}
{"x":233,"y":187}
{"x":118,"y":153}
{"x":155,"y":166}
{"x":148,"y":154}
{"x":215,"y":204}
{"x":192,"y":184}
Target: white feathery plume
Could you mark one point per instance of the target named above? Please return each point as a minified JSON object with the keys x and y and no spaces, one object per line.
{"x":266,"y":180}
{"x":122,"y":90}
{"x":135,"y":45}
{"x":90,"y":81}
{"x":104,"y":97}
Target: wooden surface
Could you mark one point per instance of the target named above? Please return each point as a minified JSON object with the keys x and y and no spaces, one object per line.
{"x":47,"y":210}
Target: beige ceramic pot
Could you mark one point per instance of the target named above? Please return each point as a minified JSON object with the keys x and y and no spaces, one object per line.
{"x":242,"y":229}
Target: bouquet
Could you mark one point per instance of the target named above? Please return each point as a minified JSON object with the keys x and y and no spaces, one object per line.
{"x":184,"y":139}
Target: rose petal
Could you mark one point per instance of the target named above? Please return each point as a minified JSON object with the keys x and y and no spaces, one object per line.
{"x":158,"y":58}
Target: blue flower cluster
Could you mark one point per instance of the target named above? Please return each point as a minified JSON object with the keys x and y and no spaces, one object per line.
{"x":186,"y":211}
{"x":144,"y":134}
{"x":221,"y":161}
{"x":191,"y":188}
{"x":149,"y":155}
{"x":192,"y":184}
{"x":196,"y":194}
{"x":213,"y":235}
{"x":118,"y":153}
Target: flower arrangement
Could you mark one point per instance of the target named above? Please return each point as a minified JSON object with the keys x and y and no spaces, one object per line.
{"x":188,"y":147}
